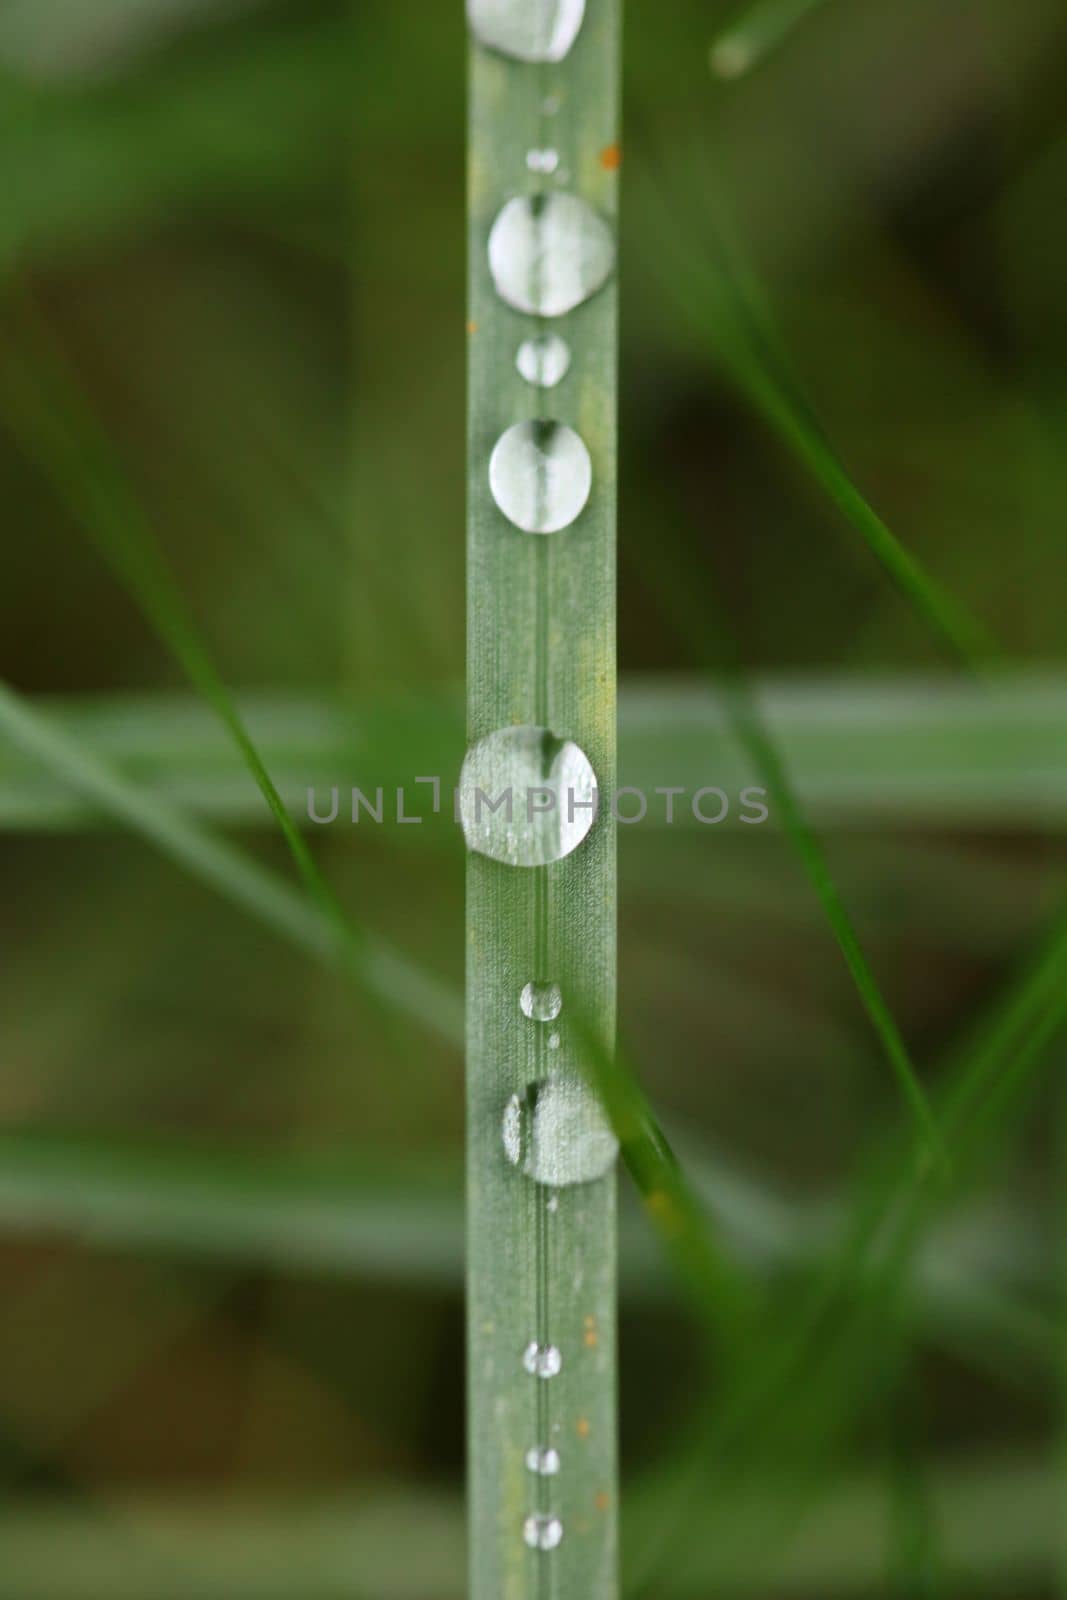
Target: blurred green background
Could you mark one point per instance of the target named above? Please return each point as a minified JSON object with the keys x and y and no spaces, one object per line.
{"x":232,"y":315}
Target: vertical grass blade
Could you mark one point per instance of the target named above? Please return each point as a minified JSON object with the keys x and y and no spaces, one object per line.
{"x":541,"y":653}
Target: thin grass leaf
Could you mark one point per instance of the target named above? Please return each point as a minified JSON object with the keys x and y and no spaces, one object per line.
{"x":703,"y":288}
{"x":663,"y":577}
{"x":56,"y":426}
{"x":386,"y":973}
{"x":755,"y":33}
{"x":807,"y":1384}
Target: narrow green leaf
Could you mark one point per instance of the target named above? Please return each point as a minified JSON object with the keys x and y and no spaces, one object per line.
{"x":386,"y":973}
{"x":541,"y":653}
{"x":758,"y":29}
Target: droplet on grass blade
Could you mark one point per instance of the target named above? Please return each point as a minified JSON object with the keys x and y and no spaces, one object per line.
{"x":543,"y":1461}
{"x":542,"y":160}
{"x":543,"y":1533}
{"x":557,"y":1134}
{"x":542,"y":1360}
{"x":549,"y":253}
{"x":528,"y":30}
{"x":541,"y":476}
{"x":541,"y":1002}
{"x":545,"y":361}
{"x":526,"y":797}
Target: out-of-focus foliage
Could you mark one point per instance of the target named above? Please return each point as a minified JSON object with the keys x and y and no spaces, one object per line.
{"x":228,"y":1202}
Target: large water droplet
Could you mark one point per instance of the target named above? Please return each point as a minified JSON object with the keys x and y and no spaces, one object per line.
{"x":542,"y":1360}
{"x":543,"y":1460}
{"x":526,"y":797}
{"x":540,"y":476}
{"x":541,"y":1002}
{"x":557,"y":1133}
{"x":544,"y":362}
{"x":543,"y":1533}
{"x":549,"y":252}
{"x":529,"y":30}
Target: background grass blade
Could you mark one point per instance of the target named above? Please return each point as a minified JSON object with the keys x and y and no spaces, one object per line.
{"x":756,"y":31}
{"x":925,"y":752}
{"x":704,"y":291}
{"x":387,"y":973}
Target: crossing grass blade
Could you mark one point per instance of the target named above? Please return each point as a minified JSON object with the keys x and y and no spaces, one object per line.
{"x":383,"y":971}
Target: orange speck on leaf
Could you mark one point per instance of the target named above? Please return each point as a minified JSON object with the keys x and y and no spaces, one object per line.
{"x":472,"y":327}
{"x":582,"y":1428}
{"x":611,"y":157}
{"x":602,"y":1501}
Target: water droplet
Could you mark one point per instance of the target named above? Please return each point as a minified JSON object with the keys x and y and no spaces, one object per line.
{"x":543,"y":1460}
{"x":553,"y":1041}
{"x":541,"y":1002}
{"x":542,"y":160}
{"x":526,"y":797}
{"x":557,"y":1133}
{"x":529,"y":30}
{"x":549,"y":252}
{"x":543,"y":1533}
{"x":550,"y":105}
{"x":544,"y":362}
{"x":542,"y":1360}
{"x":541,"y":476}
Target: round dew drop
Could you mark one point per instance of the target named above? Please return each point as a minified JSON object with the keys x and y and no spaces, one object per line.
{"x":543,"y":1461}
{"x":557,"y":1134}
{"x":528,"y":30}
{"x":549,"y":253}
{"x":542,"y":1360}
{"x":544,"y":362}
{"x":541,"y":1002}
{"x":540,"y":476}
{"x":543,"y":1533}
{"x":526,"y":797}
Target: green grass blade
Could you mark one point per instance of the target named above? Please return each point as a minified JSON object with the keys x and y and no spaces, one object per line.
{"x":541,"y":651}
{"x":386,"y":973}
{"x":755,"y":33}
{"x":700,"y":281}
{"x":919,"y":752}
{"x":664,"y":579}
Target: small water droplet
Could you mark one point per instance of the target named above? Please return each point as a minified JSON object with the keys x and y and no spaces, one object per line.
{"x":526,"y":797}
{"x":542,"y":1360}
{"x":541,"y":476}
{"x":553,"y":1203}
{"x":548,"y":253}
{"x":541,"y":1002}
{"x":543,"y":1460}
{"x":529,"y":30}
{"x":542,"y":160}
{"x":545,"y":361}
{"x":543,"y":1533}
{"x":553,"y":1041}
{"x":557,"y":1134}
{"x":550,"y":105}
